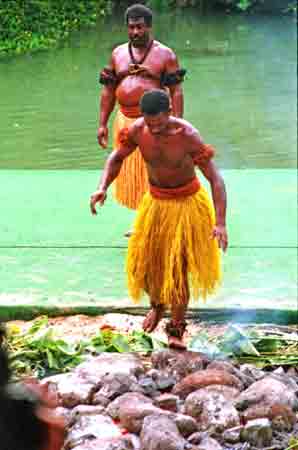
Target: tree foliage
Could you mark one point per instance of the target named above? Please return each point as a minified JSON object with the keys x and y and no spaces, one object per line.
{"x":37,"y":24}
{"x":27,"y":25}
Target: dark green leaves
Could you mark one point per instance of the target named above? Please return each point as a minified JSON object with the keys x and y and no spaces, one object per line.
{"x":39,"y":352}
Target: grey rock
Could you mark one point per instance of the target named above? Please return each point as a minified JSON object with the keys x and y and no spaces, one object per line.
{"x":113,"y":385}
{"x":186,"y":425}
{"x":95,"y":368}
{"x":232,"y":435}
{"x":208,"y":443}
{"x":130,"y":398}
{"x":148,"y":386}
{"x":178,"y":364}
{"x":225,"y":365}
{"x":204,"y":378}
{"x":258,"y":433}
{"x":107,"y":444}
{"x":268,"y":391}
{"x":132,"y":416}
{"x":289,"y":381}
{"x":165,"y":383}
{"x":230,"y":393}
{"x":168,"y":402}
{"x":197,"y":437}
{"x":91,"y":427}
{"x":211,"y":410}
{"x":252,"y":371}
{"x":85,"y":410}
{"x":160,"y":432}
{"x":71,"y":389}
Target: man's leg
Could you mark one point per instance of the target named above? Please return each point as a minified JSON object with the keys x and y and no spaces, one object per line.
{"x":156,"y":312}
{"x":176,"y":327}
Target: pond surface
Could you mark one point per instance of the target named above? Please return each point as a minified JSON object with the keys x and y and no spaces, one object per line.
{"x":240,"y":92}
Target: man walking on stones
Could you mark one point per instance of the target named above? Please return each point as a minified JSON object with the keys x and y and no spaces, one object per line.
{"x":174,"y":249}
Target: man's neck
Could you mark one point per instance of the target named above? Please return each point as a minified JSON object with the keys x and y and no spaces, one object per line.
{"x":143,"y":46}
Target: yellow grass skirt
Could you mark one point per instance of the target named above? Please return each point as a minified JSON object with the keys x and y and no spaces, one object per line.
{"x":132,"y":181}
{"x":171,"y":253}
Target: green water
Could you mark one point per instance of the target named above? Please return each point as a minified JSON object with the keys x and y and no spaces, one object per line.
{"x":240,"y":92}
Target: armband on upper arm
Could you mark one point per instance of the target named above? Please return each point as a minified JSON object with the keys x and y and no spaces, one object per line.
{"x":124,"y":140}
{"x":108,"y":77}
{"x":170,"y":79}
{"x":206,"y":153}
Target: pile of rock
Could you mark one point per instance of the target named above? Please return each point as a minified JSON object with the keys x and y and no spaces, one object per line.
{"x":174,"y":401}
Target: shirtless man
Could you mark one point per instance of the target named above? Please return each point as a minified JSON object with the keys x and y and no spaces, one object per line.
{"x":136,"y":67}
{"x":174,"y":250}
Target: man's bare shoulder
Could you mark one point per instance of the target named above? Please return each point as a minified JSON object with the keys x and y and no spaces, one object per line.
{"x":119,"y":49}
{"x":137,"y":127}
{"x":187,"y":129}
{"x":167,"y":51}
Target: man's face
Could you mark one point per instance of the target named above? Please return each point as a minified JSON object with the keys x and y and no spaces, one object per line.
{"x":157,"y":123}
{"x":138,"y":32}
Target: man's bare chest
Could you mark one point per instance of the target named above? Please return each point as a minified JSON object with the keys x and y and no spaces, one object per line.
{"x":154,"y":63}
{"x":164,"y":153}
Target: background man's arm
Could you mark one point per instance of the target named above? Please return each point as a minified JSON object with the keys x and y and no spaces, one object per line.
{"x":176,"y":91}
{"x":106,"y":105}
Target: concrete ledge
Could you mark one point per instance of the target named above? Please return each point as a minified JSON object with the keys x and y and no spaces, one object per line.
{"x":218,"y":315}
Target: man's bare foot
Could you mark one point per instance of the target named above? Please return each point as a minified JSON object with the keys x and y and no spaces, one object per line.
{"x":152,"y":319}
{"x":177,"y":343}
{"x":128,"y":233}
{"x":175,"y":330}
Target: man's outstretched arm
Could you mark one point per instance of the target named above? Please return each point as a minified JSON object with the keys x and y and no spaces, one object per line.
{"x":202,"y":155}
{"x":112,"y":168}
{"x":220,"y":202}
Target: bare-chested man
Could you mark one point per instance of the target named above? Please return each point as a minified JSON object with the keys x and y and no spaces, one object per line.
{"x":174,"y":250}
{"x":136,"y":67}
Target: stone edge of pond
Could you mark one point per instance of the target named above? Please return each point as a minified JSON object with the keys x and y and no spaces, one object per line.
{"x":217,"y":315}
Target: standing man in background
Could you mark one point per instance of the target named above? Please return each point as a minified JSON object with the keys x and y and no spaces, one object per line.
{"x":135,"y":67}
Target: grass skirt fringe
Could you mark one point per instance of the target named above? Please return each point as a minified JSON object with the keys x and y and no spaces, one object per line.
{"x":132,"y":181}
{"x":171,"y":252}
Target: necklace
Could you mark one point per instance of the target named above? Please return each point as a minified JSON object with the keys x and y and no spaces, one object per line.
{"x":132,"y":58}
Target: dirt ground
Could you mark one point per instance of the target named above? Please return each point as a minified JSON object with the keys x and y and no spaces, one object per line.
{"x":80,"y":326}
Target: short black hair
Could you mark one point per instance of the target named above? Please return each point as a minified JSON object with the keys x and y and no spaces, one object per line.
{"x":154,"y":102}
{"x":139,"y":11}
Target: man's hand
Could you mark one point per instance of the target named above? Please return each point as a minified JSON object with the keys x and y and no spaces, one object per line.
{"x":220,"y":233}
{"x":98,"y":196}
{"x":102,"y":136}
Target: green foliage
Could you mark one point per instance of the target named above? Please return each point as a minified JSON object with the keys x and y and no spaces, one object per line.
{"x":293,"y":444}
{"x":262,"y":349}
{"x":28,"y":25}
{"x":160,"y":5}
{"x":38,"y":24}
{"x":244,"y":4}
{"x":39,"y":352}
{"x":292,"y":8}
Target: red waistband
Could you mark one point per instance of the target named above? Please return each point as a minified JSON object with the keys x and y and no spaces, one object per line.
{"x":173,"y":193}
